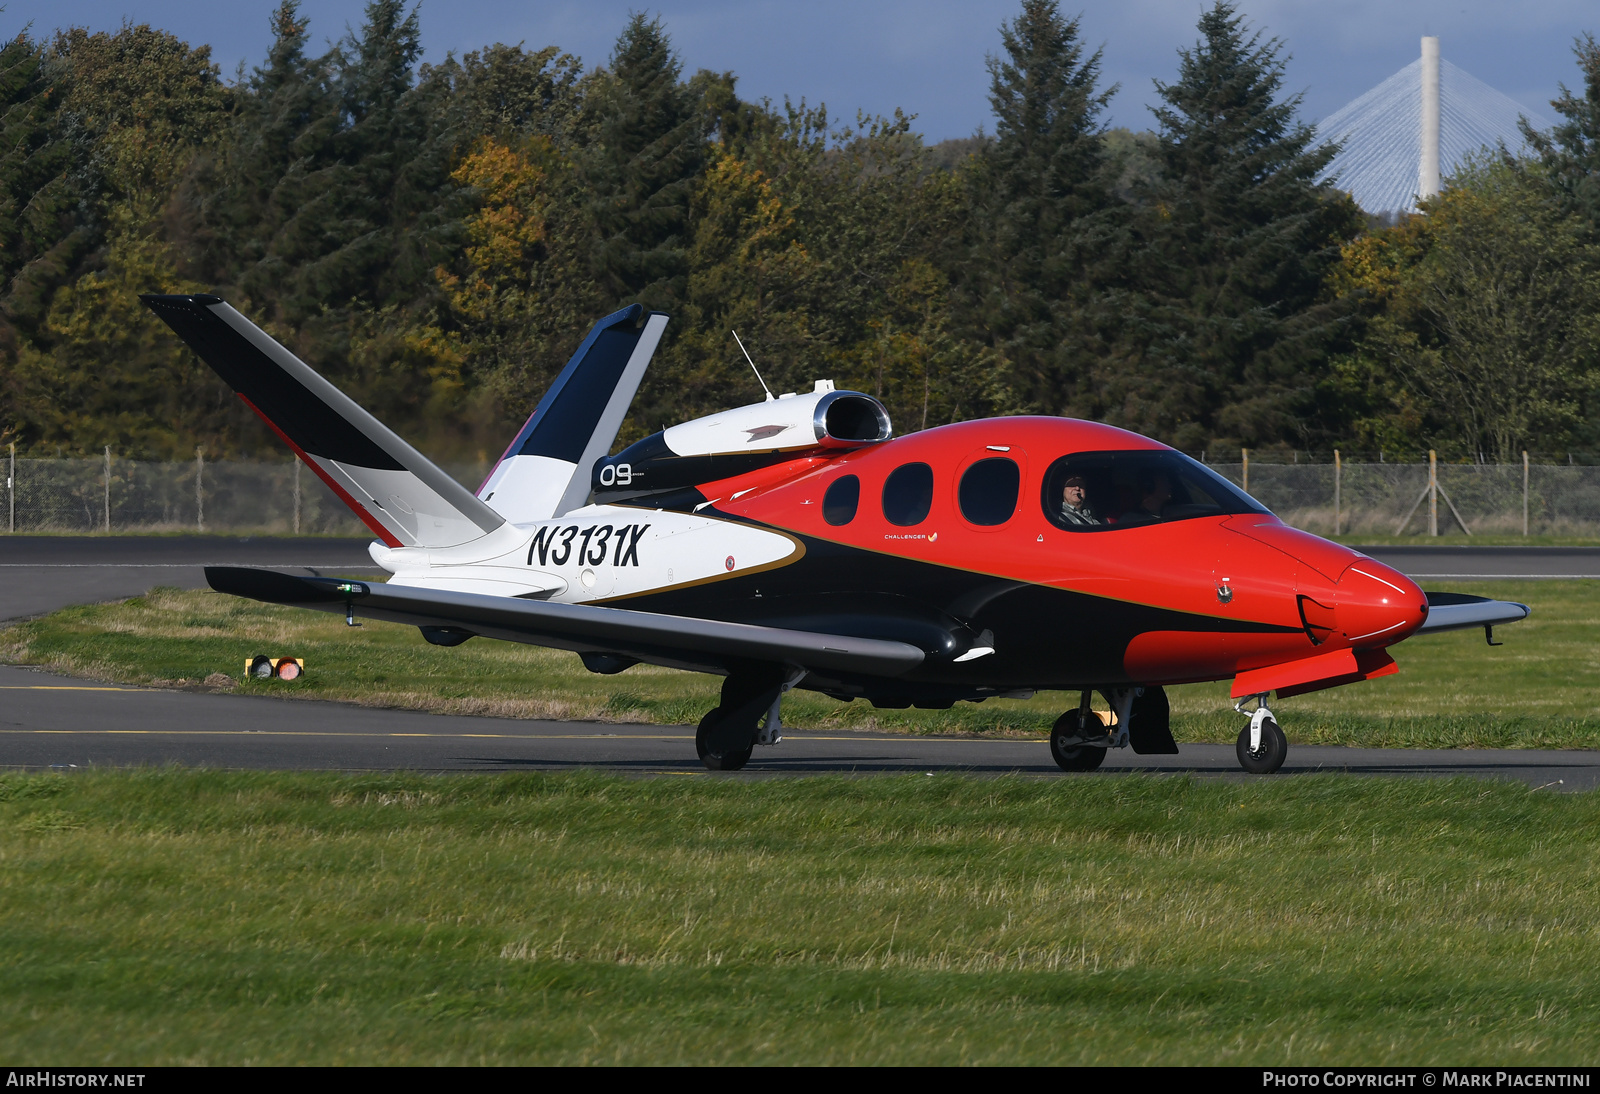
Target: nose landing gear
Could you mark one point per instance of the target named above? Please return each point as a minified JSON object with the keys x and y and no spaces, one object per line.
{"x":1262,"y":746}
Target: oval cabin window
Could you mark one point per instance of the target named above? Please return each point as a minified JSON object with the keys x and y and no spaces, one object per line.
{"x":988,"y":493}
{"x":840,"y":502}
{"x":908,"y":494}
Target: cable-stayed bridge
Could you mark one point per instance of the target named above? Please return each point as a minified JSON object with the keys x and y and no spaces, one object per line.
{"x":1430,"y":105}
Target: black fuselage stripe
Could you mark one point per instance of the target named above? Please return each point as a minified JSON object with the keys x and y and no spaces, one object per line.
{"x":1045,"y":636}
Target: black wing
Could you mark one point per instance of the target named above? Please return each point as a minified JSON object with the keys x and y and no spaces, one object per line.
{"x":702,"y":645}
{"x":1459,"y":611}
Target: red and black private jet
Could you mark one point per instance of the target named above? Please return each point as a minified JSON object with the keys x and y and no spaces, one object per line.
{"x":796,"y":542}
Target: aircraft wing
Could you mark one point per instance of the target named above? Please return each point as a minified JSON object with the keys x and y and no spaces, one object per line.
{"x":1459,"y":611}
{"x":395,"y":490}
{"x":703,"y":645}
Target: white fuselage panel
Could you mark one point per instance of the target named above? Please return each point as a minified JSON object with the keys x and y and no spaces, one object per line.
{"x":597,"y":553}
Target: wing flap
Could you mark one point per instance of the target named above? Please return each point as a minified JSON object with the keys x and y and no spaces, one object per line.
{"x":676,"y":641}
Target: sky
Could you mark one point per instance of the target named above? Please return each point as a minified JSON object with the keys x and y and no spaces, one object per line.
{"x":926,"y":56}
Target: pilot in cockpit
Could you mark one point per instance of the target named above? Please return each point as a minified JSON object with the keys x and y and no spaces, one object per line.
{"x":1075,"y":502}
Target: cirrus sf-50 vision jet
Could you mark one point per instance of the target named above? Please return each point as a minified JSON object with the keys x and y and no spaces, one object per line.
{"x":796,"y":543}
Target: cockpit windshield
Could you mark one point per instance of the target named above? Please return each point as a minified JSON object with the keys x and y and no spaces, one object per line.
{"x":1101,"y":491}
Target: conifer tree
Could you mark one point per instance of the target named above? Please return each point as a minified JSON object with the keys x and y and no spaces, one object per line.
{"x":382,"y":201}
{"x":39,"y":233}
{"x":263,"y":220}
{"x":1570,"y":152}
{"x":1225,"y":337}
{"x":649,"y":146}
{"x":1038,"y":205}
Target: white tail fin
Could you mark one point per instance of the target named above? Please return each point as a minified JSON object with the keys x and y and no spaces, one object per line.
{"x":545,"y":470}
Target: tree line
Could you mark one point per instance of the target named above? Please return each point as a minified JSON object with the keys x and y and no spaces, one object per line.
{"x":436,"y":239}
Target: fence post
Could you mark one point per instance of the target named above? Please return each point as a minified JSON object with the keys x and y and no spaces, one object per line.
{"x":297,"y":497}
{"x":107,"y":526}
{"x":199,"y":489}
{"x":1433,"y":492}
{"x":1337,"y":523}
{"x":11,"y":486}
{"x":1246,"y":454}
{"x":1524,"y":491}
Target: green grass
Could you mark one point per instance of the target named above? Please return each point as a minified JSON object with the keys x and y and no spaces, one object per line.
{"x":169,"y":916}
{"x":1540,"y":690}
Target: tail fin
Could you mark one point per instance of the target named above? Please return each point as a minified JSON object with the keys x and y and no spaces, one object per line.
{"x":545,"y":470}
{"x":393,"y":488}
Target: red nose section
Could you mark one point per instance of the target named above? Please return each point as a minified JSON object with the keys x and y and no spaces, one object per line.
{"x":1378,"y":605}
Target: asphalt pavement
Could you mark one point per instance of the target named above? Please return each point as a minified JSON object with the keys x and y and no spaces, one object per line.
{"x":1436,"y":564}
{"x":41,"y":574}
{"x":55,"y":723}
{"x":50,"y":722}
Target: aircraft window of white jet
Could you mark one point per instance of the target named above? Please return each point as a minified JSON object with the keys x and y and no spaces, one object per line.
{"x":988,"y":492}
{"x":841,"y":499}
{"x":908,"y":494}
{"x":1103,"y":491}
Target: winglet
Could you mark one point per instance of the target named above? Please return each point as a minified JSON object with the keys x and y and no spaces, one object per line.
{"x":402,"y":496}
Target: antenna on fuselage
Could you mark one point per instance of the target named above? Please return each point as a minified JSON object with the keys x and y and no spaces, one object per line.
{"x":753,"y":368}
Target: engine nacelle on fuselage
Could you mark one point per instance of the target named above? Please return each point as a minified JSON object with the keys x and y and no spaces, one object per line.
{"x":738,"y":441}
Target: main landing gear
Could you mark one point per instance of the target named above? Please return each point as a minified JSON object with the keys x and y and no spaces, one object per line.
{"x":1140,"y":717}
{"x":1079,"y":739}
{"x":1262,"y":746}
{"x":746,"y":716}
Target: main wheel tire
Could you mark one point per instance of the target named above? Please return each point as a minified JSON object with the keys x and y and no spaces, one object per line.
{"x":718,"y":761}
{"x":1073,"y":757}
{"x":1270,"y":756}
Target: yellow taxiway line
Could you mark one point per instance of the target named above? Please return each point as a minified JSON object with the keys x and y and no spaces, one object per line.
{"x":69,"y":687}
{"x":472,"y":736}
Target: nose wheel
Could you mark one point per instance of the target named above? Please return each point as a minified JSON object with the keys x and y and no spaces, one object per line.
{"x":1262,"y":746}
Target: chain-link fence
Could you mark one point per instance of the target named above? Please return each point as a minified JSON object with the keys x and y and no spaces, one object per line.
{"x":199,"y":495}
{"x":250,"y":496}
{"x":1396,"y":498}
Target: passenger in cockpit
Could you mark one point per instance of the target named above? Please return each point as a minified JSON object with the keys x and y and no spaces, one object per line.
{"x":1157,"y":490}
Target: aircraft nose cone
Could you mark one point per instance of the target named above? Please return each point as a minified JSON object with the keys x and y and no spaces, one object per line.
{"x":1378,"y":605}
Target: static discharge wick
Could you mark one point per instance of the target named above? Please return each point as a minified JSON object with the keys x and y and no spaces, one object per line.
{"x":753,"y":368}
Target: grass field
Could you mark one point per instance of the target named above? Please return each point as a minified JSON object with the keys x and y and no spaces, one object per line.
{"x":206,"y":917}
{"x":1541,"y":689}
